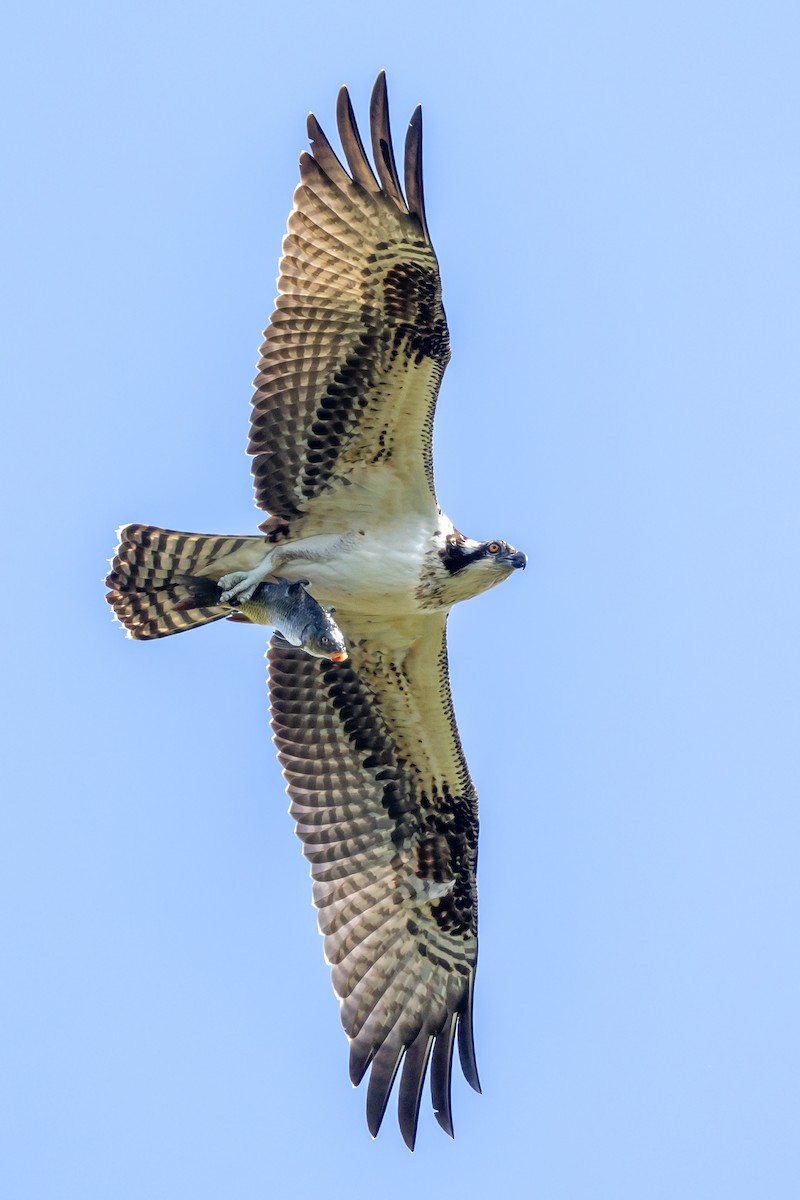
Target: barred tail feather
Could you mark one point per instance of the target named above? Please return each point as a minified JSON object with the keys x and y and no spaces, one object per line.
{"x":160,"y":580}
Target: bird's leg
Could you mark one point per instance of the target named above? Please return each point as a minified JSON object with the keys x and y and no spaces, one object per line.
{"x":238,"y":587}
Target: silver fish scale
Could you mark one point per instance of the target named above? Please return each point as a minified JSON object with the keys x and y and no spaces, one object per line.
{"x":290,"y":609}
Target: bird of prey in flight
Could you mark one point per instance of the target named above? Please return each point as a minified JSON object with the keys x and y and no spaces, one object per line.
{"x":340,"y":436}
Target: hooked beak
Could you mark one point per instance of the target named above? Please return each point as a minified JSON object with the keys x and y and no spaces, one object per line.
{"x":517,"y":559}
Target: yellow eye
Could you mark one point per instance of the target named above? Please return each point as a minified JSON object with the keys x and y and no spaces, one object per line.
{"x":493,"y":547}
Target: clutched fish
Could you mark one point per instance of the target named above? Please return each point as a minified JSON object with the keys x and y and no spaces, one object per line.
{"x":287,"y":607}
{"x":301,"y":619}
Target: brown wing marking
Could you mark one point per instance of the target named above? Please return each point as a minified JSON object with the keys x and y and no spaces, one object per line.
{"x":387,"y":814}
{"x":355,"y":351}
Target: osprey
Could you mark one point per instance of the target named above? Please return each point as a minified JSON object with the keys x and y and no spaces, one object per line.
{"x":340,"y":435}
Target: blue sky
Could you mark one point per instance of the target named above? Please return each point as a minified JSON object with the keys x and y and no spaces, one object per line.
{"x":613,"y":195}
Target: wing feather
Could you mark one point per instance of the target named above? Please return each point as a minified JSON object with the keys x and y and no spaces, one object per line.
{"x":441,"y":1075}
{"x":324,"y":154}
{"x":382,"y":150}
{"x":381,"y":1078}
{"x":413,"y":170}
{"x":388,"y":819}
{"x":355,"y":350}
{"x":352,"y":145}
{"x":415,"y":1065}
{"x":466,"y":1044}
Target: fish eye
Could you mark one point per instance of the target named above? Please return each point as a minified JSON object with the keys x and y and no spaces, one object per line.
{"x":326,"y":641}
{"x":493,"y":547}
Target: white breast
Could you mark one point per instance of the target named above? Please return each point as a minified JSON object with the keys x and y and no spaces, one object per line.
{"x":376,"y":569}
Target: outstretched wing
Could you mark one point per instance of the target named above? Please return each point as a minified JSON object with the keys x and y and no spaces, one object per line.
{"x":387,"y":813}
{"x":355,"y":350}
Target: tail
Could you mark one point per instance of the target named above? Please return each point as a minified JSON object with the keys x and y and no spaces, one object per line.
{"x":160,"y":581}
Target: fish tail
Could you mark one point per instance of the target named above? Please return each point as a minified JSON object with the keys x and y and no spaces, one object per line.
{"x":163,"y":582}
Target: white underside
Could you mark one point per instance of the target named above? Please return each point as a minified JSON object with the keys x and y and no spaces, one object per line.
{"x":376,"y":570}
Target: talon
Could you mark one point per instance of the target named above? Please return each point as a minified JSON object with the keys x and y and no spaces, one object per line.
{"x":238,"y":587}
{"x":227,"y":585}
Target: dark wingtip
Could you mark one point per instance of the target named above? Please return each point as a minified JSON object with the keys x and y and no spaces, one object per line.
{"x":441,"y":1075}
{"x":466,"y":1042}
{"x":381,"y":1080}
{"x":415,"y":194}
{"x":382,"y":151}
{"x":414,"y":1067}
{"x":324,"y":153}
{"x":359,"y":1061}
{"x":445,"y":1121}
{"x":352,"y":145}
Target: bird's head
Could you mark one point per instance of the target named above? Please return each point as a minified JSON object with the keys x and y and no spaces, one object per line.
{"x":475,"y":566}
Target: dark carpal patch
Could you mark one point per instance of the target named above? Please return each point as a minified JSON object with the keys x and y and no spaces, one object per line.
{"x":413,"y":303}
{"x":303,"y":470}
{"x":447,"y":851}
{"x":339,"y":692}
{"x":445,"y":825}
